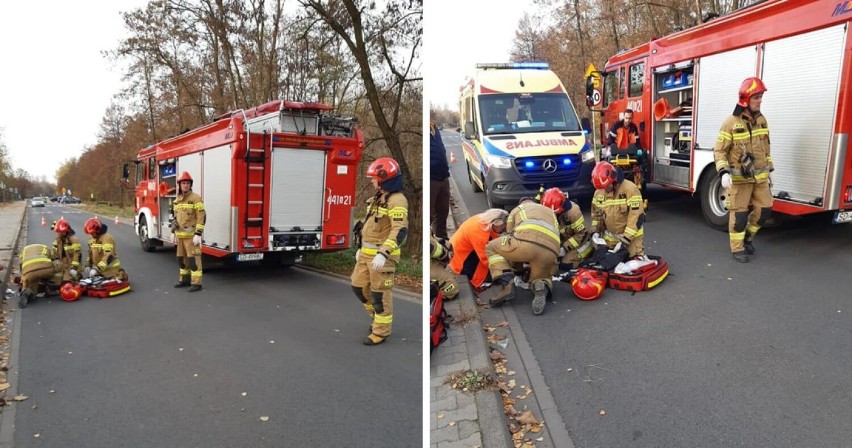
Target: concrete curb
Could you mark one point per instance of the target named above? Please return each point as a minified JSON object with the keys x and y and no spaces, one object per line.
{"x":7,"y":416}
{"x":489,"y":404}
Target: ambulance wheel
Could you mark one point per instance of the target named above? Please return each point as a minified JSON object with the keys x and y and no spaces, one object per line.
{"x":713,"y":198}
{"x":148,"y":245}
{"x":473,"y":183}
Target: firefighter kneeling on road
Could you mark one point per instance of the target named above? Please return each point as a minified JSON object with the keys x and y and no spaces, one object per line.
{"x":439,"y":251}
{"x":381,"y":233}
{"x":102,"y":259}
{"x":576,"y":240}
{"x":37,"y":265}
{"x":617,"y":211}
{"x":533,"y":237}
{"x":188,"y":225}
{"x":67,"y":250}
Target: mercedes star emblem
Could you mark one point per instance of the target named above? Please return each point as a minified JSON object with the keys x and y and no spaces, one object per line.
{"x":549,"y":165}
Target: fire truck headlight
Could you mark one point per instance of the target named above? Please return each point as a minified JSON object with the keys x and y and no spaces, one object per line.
{"x":499,"y":162}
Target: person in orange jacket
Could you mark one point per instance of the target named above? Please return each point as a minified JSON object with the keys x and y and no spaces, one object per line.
{"x":468,"y":243}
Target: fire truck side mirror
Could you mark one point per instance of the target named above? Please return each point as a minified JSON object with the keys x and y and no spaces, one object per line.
{"x":125,"y":173}
{"x":590,"y":89}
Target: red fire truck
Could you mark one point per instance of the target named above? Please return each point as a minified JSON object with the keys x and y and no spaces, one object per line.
{"x":277,"y":180}
{"x":682,"y":86}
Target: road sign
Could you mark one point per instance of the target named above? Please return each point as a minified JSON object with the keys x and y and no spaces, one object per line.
{"x":596,"y":97}
{"x":595,"y":74}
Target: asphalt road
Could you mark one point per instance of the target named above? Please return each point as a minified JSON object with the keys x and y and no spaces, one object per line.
{"x":162,"y":367}
{"x":720,"y":354}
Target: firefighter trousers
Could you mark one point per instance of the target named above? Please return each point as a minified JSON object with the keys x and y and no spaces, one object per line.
{"x":189,"y":260}
{"x":31,"y":279}
{"x":445,"y":278}
{"x":741,"y":222}
{"x":376,"y":288}
{"x":508,"y":249}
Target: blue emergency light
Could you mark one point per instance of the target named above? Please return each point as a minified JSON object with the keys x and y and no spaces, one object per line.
{"x":529,"y":164}
{"x":566,"y":161}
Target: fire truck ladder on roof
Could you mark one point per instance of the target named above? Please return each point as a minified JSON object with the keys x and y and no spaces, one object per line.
{"x":256,"y":191}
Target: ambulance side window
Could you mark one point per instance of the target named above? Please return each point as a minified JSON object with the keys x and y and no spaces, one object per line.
{"x":637,"y":79}
{"x":152,"y":169}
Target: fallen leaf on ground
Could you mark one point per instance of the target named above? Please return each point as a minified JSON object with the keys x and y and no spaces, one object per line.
{"x":494,"y":338}
{"x":441,"y":415}
{"x":264,"y":418}
{"x":502,"y":324}
{"x":451,"y":424}
{"x":4,"y":386}
{"x":603,"y":412}
{"x":20,"y":397}
{"x":527,"y":418}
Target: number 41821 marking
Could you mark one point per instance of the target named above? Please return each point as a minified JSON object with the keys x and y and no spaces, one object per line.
{"x":338,"y":199}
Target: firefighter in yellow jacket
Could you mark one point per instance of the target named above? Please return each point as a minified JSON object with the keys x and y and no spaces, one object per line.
{"x":532,"y":237}
{"x":67,"y":250}
{"x":380,"y":235}
{"x":37,"y":265}
{"x":439,"y":255}
{"x":743,"y":160}
{"x":102,"y":259}
{"x":576,"y":239}
{"x":618,"y":214}
{"x":188,"y":226}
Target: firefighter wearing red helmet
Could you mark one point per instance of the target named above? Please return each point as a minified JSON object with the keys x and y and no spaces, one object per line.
{"x":744,"y":163}
{"x":576,"y":239}
{"x":532,"y":237}
{"x":37,"y":265}
{"x":187,"y":228}
{"x":102,"y":259}
{"x":379,"y":236}
{"x":67,"y":250}
{"x":618,"y":213}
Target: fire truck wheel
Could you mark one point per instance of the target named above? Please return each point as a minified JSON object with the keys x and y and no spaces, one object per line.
{"x":148,"y":245}
{"x":473,"y":183}
{"x":713,"y":198}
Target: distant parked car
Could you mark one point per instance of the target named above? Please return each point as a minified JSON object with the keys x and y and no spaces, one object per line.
{"x":37,"y":202}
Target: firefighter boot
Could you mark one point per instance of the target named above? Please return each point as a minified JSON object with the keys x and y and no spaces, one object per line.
{"x":183,"y":283}
{"x":24,"y":297}
{"x":541,"y":290}
{"x":741,"y":256}
{"x":500,"y":291}
{"x":195,"y":288}
{"x":747,"y":243}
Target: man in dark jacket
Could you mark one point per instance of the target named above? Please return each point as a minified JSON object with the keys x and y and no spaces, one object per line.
{"x":439,"y":185}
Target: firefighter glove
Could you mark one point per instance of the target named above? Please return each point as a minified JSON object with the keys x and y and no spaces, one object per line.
{"x":770,"y":178}
{"x":726,"y":181}
{"x":379,"y":261}
{"x":357,"y":255}
{"x":596,"y":238}
{"x":174,"y":239}
{"x":73,"y":272}
{"x":562,"y":252}
{"x":196,"y":240}
{"x":617,"y":247}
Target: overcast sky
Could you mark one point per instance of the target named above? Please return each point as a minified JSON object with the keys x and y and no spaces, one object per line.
{"x":54,"y":83}
{"x":461,"y":33}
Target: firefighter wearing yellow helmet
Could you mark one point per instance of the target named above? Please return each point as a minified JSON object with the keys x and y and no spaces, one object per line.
{"x":188,"y":226}
{"x":533,"y":238}
{"x":37,"y":265}
{"x":67,"y":250}
{"x":439,"y":256}
{"x":745,"y":166}
{"x":380,"y":234}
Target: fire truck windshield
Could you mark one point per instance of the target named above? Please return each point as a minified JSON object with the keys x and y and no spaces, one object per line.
{"x":514,"y":113}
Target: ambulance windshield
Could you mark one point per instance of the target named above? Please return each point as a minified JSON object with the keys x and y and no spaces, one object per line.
{"x":514,"y":113}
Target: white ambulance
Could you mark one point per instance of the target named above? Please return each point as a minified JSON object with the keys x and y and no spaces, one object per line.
{"x":521,"y":132}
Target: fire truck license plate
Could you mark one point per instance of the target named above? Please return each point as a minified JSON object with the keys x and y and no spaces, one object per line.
{"x":250,"y":257}
{"x":840,"y":217}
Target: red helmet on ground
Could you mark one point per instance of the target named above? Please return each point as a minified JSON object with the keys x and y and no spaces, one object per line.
{"x":554,"y":199}
{"x":603,"y":175}
{"x":185,"y":176}
{"x":61,"y":227}
{"x":92,"y":227}
{"x":70,"y":292}
{"x":383,"y":169}
{"x":586,"y":286}
{"x":750,"y":86}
